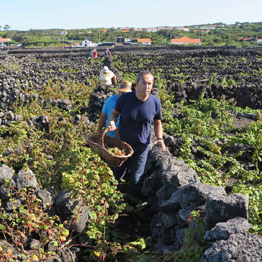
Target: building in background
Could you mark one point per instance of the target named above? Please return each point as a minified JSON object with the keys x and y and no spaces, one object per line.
{"x":4,"y":42}
{"x":185,"y":41}
{"x":183,"y":29}
{"x":144,"y":41}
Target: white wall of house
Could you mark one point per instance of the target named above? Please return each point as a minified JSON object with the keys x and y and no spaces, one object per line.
{"x":4,"y":43}
{"x":183,"y":29}
{"x":86,"y":42}
{"x":146,"y":43}
{"x":150,"y":30}
{"x":184,"y":43}
{"x":207,"y":27}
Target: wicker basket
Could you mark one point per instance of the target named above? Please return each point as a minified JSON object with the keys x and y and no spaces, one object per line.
{"x":98,"y":142}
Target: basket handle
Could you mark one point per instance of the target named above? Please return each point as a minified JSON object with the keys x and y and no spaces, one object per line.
{"x":101,"y":140}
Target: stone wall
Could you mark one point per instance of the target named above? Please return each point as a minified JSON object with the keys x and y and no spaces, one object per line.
{"x":174,"y":191}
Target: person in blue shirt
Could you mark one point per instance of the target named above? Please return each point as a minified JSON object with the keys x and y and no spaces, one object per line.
{"x":91,"y":53}
{"x":109,"y":106}
{"x":138,"y":110}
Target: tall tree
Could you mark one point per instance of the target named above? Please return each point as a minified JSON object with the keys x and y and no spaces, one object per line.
{"x":7,"y":27}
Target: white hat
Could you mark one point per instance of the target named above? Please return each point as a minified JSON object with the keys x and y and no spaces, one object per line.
{"x":105,"y":69}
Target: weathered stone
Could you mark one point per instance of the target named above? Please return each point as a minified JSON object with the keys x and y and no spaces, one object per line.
{"x":34,"y":244}
{"x":174,"y":236}
{"x":238,"y":247}
{"x":66,"y":206}
{"x":11,"y":205}
{"x":178,"y":176}
{"x":18,"y":118}
{"x":10,"y":115}
{"x":190,"y":197}
{"x":171,"y":206}
{"x":183,"y":215}
{"x":26,"y":179}
{"x":5,"y":173}
{"x":67,"y":101}
{"x":169,"y":220}
{"x":48,"y":197}
{"x":221,"y":209}
{"x":82,"y":220}
{"x":224,"y":230}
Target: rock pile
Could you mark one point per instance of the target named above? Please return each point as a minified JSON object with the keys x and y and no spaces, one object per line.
{"x":54,"y":204}
{"x":174,"y":191}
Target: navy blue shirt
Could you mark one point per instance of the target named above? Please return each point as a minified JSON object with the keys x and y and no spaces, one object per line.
{"x":136,"y":118}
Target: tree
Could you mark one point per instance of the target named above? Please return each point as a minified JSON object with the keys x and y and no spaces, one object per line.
{"x":7,"y":27}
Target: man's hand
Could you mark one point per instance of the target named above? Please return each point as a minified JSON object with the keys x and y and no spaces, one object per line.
{"x":114,"y":80}
{"x":163,"y":146}
{"x":111,"y":126}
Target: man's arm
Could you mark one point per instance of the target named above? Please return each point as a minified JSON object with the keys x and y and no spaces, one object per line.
{"x":101,"y":123}
{"x":113,"y":118}
{"x":115,"y":81}
{"x":159,"y":133}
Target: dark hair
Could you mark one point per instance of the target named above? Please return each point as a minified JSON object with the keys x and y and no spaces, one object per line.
{"x":143,"y":73}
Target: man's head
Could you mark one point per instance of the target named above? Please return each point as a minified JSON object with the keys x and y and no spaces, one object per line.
{"x":105,"y":69}
{"x":124,"y":87}
{"x":144,"y":84}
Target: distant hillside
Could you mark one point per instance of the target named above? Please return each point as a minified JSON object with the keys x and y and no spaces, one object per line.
{"x":217,"y":34}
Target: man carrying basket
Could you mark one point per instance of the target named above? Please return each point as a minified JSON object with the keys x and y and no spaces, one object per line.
{"x":109,"y":105}
{"x":138,"y":110}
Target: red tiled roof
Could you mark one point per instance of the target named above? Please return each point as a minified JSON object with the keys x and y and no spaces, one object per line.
{"x":186,"y":39}
{"x":245,"y":39}
{"x":144,"y":40}
{"x":5,"y":39}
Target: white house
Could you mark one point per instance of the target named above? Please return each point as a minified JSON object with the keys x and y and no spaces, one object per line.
{"x":86,"y":42}
{"x":208,"y":27}
{"x":144,"y":41}
{"x":4,"y":41}
{"x":185,"y":41}
{"x":183,"y":29}
{"x":150,"y":30}
{"x":259,"y":40}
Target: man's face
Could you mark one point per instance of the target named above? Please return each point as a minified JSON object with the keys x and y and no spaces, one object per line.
{"x":145,"y":84}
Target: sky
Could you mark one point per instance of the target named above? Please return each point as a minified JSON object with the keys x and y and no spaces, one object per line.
{"x":79,"y":14}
